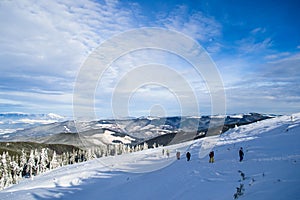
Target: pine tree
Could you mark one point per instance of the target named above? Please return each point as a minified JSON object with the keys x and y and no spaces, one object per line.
{"x":15,"y":169}
{"x":88,"y":154}
{"x":2,"y":182}
{"x":145,"y":147}
{"x":31,"y":164}
{"x":6,"y":175}
{"x":72,"y":157}
{"x":54,"y":163}
{"x":124,"y":149}
{"x":23,"y":163}
{"x":154,"y":145}
{"x":65,"y":159}
{"x":115,"y":150}
{"x":37,"y":158}
{"x":59,"y":160}
{"x":44,"y":160}
{"x":9,"y":167}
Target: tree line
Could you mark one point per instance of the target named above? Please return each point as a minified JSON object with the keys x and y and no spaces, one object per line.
{"x":15,"y":168}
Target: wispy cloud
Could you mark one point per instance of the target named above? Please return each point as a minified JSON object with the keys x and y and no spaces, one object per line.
{"x":258,"y":30}
{"x":44,"y":43}
{"x":273,"y":86}
{"x":253,"y":45}
{"x":196,"y":25}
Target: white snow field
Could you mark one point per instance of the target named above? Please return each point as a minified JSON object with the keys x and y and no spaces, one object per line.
{"x":271,"y":168}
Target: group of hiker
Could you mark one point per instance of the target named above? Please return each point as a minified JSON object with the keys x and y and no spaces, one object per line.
{"x":188,"y":155}
{"x":211,"y":155}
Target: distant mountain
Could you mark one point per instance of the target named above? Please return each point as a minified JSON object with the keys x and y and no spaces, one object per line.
{"x":11,"y":122}
{"x":21,"y":116}
{"x":231,"y":121}
{"x":129,"y":131}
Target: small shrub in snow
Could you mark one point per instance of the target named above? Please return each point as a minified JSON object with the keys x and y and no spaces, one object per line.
{"x":239,"y":191}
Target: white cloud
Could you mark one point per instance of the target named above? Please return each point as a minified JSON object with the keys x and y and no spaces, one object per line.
{"x":43,"y":44}
{"x":196,"y":25}
{"x":253,"y":45}
{"x":276,"y":56}
{"x":258,"y":30}
{"x":57,"y":34}
{"x":268,"y":87}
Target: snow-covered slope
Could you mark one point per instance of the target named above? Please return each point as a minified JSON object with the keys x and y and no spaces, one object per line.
{"x":271,"y":169}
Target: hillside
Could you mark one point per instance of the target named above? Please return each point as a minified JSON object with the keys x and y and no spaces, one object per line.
{"x":270,"y":168}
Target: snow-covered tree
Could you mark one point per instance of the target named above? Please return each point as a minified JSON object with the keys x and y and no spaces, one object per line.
{"x":65,"y":159}
{"x":23,"y":163}
{"x":72,"y":157}
{"x":124,"y":149}
{"x":54,"y":163}
{"x":15,"y":170}
{"x":37,"y":158}
{"x":44,"y":160}
{"x":6,"y":175}
{"x":145,"y":147}
{"x":89,"y":154}
{"x":154,"y":145}
{"x":31,"y":164}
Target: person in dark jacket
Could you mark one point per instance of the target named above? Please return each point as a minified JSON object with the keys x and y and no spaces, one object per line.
{"x":241,"y":154}
{"x":188,"y":156}
{"x":178,"y":155}
{"x":211,"y":157}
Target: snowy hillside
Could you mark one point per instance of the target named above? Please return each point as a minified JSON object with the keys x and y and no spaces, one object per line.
{"x":270,"y":168}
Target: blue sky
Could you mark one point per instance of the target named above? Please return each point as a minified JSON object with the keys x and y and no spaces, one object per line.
{"x":255,"y":45}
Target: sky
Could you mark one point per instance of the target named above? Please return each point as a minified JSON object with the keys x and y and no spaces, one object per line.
{"x":255,"y":46}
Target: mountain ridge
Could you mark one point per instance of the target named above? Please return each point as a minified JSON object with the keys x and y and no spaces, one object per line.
{"x":130,"y":131}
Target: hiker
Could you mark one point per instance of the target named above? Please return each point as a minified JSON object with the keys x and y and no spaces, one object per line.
{"x":178,"y":155}
{"x":163,"y":152}
{"x":211,"y":157}
{"x":241,"y":154}
{"x":188,"y":156}
{"x":168,"y":153}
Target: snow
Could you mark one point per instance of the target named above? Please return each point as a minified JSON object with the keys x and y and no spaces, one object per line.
{"x":55,"y":116}
{"x":271,"y":168}
{"x":108,"y":137}
{"x":34,"y":121}
{"x":240,"y":116}
{"x":67,"y":130}
{"x":7,"y":130}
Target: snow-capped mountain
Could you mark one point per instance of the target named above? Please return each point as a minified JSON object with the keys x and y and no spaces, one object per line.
{"x":269,"y":170}
{"x":11,"y":122}
{"x":135,"y":130}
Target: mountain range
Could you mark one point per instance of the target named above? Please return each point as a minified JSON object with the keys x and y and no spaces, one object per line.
{"x":133,"y":131}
